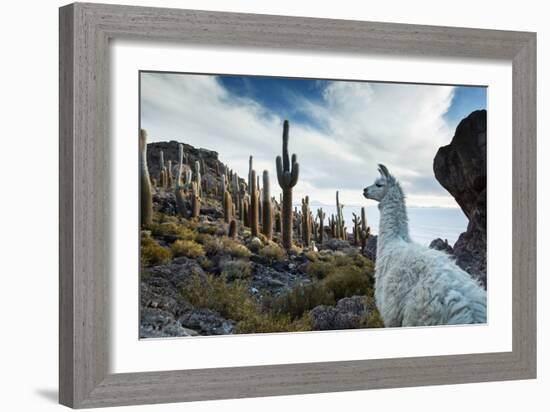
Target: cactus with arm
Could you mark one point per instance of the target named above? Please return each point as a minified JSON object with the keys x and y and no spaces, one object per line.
{"x":287,"y":175}
{"x":321,"y":215}
{"x":365,"y":230}
{"x":180,"y":202}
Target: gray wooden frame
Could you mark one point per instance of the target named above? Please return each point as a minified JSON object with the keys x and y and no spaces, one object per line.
{"x":85,"y":31}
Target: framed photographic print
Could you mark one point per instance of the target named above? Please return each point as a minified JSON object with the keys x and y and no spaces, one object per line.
{"x":258,"y":205}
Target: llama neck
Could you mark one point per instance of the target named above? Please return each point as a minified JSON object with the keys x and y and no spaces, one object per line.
{"x":394,"y":223}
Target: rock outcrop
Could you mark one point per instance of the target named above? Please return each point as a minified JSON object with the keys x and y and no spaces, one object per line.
{"x":191,"y":154}
{"x":349,"y":313}
{"x":461,"y":168}
{"x":443,"y":245}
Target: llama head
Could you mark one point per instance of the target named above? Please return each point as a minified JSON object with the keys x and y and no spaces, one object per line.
{"x":381,"y":185}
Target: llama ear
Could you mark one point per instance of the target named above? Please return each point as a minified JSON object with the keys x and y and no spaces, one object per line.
{"x":383,"y":170}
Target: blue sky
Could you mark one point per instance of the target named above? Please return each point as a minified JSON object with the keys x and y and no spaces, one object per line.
{"x":277,"y":95}
{"x":340,"y":130}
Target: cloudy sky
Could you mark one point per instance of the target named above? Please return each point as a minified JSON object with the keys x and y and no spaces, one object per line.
{"x":340,"y":130}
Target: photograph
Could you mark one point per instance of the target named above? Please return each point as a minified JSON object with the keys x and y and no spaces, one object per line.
{"x":281,"y":204}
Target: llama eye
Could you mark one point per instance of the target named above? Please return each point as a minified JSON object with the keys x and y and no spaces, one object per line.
{"x":378,"y":185}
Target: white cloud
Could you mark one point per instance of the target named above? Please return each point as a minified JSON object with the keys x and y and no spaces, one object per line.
{"x":360,"y":125}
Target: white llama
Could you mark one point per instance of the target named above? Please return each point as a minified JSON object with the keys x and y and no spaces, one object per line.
{"x":416,"y":285}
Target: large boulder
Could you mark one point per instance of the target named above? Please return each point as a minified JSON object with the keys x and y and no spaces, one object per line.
{"x":442,"y":245}
{"x":461,"y":168}
{"x":349,"y":313}
{"x":157,"y":323}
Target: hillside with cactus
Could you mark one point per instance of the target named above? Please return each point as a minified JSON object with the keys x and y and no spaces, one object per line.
{"x":221,"y":255}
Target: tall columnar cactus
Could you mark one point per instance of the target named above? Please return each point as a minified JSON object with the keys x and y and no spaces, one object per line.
{"x":287,"y":175}
{"x":314,"y":229}
{"x":250,"y":161}
{"x":162,"y":168}
{"x":254,"y":200}
{"x":246,"y":210}
{"x":146,"y":194}
{"x":267,"y":216}
{"x":306,"y":222}
{"x":365,"y":230}
{"x":242,"y":194}
{"x":180,"y":201}
{"x":227,"y":207}
{"x":233,"y":229}
{"x":198,"y":178}
{"x":224,"y":188}
{"x":332,"y":224}
{"x":340,"y":223}
{"x":321,"y":216}
{"x":195,"y":200}
{"x":356,"y":223}
{"x":188,"y":176}
{"x":170,"y":175}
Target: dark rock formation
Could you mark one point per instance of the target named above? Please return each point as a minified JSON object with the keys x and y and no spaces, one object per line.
{"x":370,"y":248}
{"x":191,"y":154}
{"x":443,"y":245}
{"x":349,"y":313}
{"x":461,"y":168}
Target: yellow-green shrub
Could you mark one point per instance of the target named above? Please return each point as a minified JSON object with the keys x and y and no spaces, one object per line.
{"x":224,"y":245}
{"x":151,"y":253}
{"x":312,"y":256}
{"x":347,"y":281}
{"x":237,"y":269}
{"x":233,"y":301}
{"x":301,"y":299}
{"x":188,"y":248}
{"x":174,"y":229}
{"x":273,"y":252}
{"x":320,"y":269}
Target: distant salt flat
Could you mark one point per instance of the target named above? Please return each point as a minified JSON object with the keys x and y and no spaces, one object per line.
{"x":425,"y":223}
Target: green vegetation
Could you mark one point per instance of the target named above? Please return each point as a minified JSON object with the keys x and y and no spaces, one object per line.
{"x":224,"y":246}
{"x":233,"y":301}
{"x":237,"y":269}
{"x":187,"y":248}
{"x":152,"y":253}
{"x":333,"y":277}
{"x":273,"y":252}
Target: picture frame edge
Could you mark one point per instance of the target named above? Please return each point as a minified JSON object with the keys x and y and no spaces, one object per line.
{"x":84,"y":379}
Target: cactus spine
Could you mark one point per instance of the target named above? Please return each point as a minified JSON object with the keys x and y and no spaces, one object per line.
{"x":233,"y":229}
{"x":254,"y":199}
{"x":365,"y":230}
{"x":146,"y":194}
{"x":287,"y":175}
{"x":267,"y":217}
{"x":180,"y":202}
